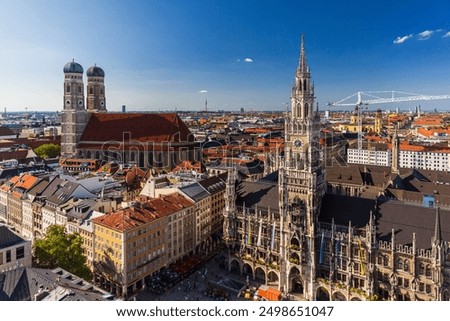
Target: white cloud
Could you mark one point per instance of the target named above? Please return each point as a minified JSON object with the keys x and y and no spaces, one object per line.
{"x":248,"y":60}
{"x":446,"y":35}
{"x":203,"y":91}
{"x":400,"y":40}
{"x":426,"y":34}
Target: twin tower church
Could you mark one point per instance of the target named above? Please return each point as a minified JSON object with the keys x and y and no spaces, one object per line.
{"x":144,"y":139}
{"x":76,"y":107}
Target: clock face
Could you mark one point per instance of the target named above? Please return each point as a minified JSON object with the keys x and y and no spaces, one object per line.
{"x":80,"y":103}
{"x":298,"y":143}
{"x":67,"y":102}
{"x":102,"y":103}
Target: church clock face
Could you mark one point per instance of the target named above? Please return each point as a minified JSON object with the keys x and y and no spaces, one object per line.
{"x":297,"y":143}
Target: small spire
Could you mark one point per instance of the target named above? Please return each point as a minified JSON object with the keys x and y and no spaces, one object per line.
{"x":437,"y":227}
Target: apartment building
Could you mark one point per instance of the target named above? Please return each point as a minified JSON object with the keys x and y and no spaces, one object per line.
{"x":135,"y":242}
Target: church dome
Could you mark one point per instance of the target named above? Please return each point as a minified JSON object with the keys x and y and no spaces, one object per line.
{"x":95,"y":71}
{"x":73,"y":67}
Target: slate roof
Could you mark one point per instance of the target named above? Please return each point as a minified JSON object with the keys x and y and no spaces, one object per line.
{"x":357,"y":174}
{"x":60,"y":191}
{"x":252,"y":193}
{"x":405,"y":219}
{"x":8,"y":238}
{"x":22,"y":284}
{"x":195,"y":191}
{"x":213,"y":184}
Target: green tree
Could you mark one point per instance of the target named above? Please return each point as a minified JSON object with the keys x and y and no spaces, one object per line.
{"x":60,"y":249}
{"x":48,"y":150}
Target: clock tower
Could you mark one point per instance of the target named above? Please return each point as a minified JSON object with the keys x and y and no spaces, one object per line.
{"x":303,"y":171}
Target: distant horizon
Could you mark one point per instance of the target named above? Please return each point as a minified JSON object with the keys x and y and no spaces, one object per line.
{"x":160,"y":55}
{"x":331,"y":109}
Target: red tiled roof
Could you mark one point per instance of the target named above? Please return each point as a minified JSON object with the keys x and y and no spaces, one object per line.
{"x":26,"y":181}
{"x":190,"y":165}
{"x":140,"y":127}
{"x":132,"y":217}
{"x":18,"y":154}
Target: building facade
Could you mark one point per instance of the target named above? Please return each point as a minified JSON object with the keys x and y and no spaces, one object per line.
{"x":14,"y":250}
{"x":339,"y":236}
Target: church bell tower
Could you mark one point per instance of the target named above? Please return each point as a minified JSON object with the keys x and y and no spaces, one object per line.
{"x":74,"y":116}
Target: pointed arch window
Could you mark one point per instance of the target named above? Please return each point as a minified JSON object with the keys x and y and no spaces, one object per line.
{"x":428,"y":271}
{"x":406,"y":266}
{"x":421,"y":269}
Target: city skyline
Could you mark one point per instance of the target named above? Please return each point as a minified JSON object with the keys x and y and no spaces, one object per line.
{"x":175,"y":55}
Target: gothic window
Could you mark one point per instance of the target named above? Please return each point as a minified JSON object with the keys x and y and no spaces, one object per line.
{"x":304,"y":85}
{"x":91,"y":91}
{"x":421,"y":287}
{"x":380,"y":259}
{"x":421,"y":269}
{"x":428,"y":271}
{"x":406,"y":283}
{"x":400,"y":264}
{"x":406,"y":266}
{"x":101,"y":91}
{"x":306,"y":110}
{"x":79,"y":89}
{"x":68,"y":88}
{"x":385,"y":260}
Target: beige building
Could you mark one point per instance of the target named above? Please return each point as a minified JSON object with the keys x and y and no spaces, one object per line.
{"x":134,"y":242}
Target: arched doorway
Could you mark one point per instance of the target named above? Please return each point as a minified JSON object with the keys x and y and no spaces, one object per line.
{"x":446,"y":296}
{"x":260,"y":275}
{"x":272,"y":278}
{"x":322,"y":295}
{"x":235,"y":267}
{"x":247,"y":270}
{"x":296,"y":281}
{"x":338,"y":296}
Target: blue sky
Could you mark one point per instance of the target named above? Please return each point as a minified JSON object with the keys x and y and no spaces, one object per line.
{"x":160,"y":55}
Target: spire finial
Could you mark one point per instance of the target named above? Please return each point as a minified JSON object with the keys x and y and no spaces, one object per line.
{"x":303,"y":67}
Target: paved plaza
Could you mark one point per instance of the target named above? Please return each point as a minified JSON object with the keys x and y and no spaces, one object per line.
{"x":210,"y":282}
